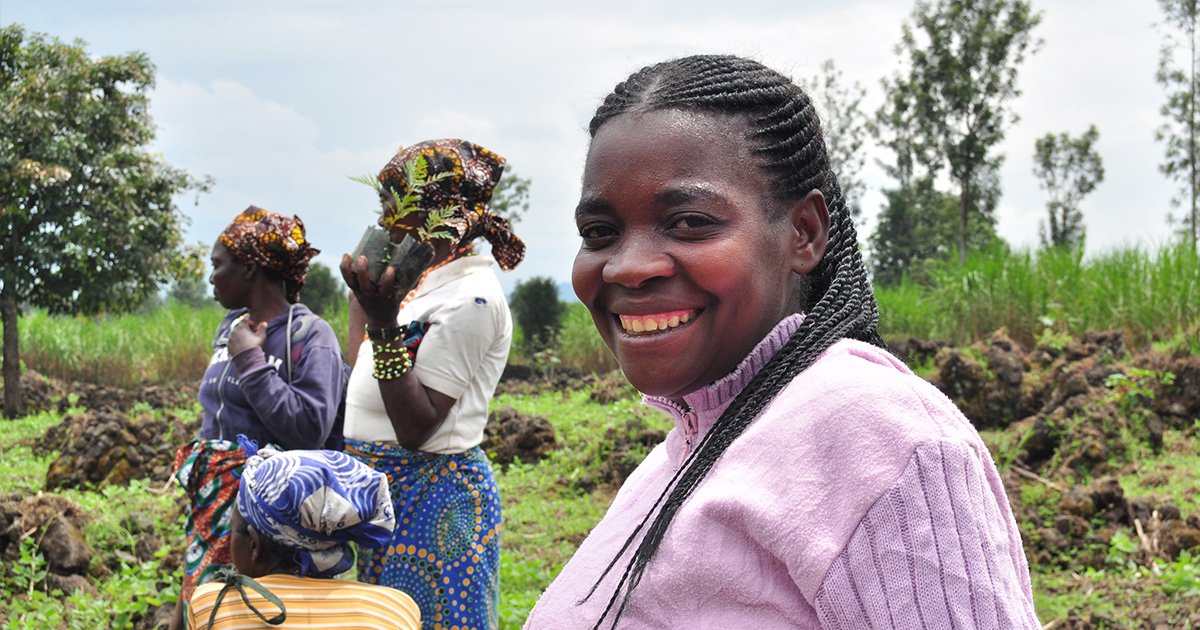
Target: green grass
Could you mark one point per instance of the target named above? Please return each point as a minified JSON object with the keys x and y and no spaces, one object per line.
{"x":546,"y":515}
{"x":129,"y":587}
{"x":1147,"y":294}
{"x":1172,"y":476}
{"x":168,"y":345}
{"x":580,"y":346}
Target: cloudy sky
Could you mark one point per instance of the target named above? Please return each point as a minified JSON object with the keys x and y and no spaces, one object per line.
{"x":280,"y":101}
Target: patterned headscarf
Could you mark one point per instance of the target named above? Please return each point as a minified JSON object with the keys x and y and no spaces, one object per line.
{"x":474,"y":173}
{"x":317,"y":503}
{"x":275,"y":242}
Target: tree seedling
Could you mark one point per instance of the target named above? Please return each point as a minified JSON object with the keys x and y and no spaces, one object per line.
{"x":411,"y":256}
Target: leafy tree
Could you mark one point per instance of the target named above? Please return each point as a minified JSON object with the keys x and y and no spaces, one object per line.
{"x":963,"y":58}
{"x":919,"y":222}
{"x":845,"y":128}
{"x":538,"y":312}
{"x":190,"y":286}
{"x":1067,"y":169}
{"x":322,"y":292}
{"x":191,"y":291}
{"x":87,"y":211}
{"x":511,"y":197}
{"x":1179,"y":132}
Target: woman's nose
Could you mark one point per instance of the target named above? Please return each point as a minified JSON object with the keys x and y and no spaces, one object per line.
{"x":636,"y":261}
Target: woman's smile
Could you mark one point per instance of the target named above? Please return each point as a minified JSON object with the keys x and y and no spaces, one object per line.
{"x":655,"y":322}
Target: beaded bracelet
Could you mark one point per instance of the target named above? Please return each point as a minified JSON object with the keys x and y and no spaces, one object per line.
{"x":394,"y":366}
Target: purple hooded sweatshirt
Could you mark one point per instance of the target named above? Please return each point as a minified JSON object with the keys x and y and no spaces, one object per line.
{"x":253,"y":395}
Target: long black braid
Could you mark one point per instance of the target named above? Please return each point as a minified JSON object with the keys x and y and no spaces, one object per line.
{"x":786,"y":135}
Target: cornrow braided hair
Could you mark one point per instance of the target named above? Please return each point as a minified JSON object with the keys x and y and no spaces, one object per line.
{"x":785,"y":134}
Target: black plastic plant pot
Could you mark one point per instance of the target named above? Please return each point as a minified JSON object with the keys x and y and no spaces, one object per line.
{"x":376,"y":246}
{"x":410,"y":258}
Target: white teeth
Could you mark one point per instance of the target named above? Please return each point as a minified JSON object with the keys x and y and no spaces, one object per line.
{"x":636,"y":324}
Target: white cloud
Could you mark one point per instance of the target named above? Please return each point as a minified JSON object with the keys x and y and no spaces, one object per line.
{"x":280,"y":101}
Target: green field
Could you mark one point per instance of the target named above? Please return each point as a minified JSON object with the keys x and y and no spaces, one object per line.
{"x":550,"y":505}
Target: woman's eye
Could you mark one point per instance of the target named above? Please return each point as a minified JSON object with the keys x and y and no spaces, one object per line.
{"x":595,"y":232}
{"x":690,"y":222}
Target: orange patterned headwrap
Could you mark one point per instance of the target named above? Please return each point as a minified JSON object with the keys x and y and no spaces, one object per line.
{"x":474,"y":173}
{"x":274,"y":242}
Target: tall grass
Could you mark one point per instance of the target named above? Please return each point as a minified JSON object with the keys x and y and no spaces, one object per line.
{"x":168,"y":345}
{"x":1148,"y":295}
{"x":580,"y":346}
{"x":171,"y":344}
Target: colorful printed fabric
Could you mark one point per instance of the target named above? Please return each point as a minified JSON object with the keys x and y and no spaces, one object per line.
{"x":209,"y":471}
{"x":473,"y":174}
{"x":275,"y":242}
{"x":317,"y":503}
{"x":445,"y":551}
{"x":413,"y":334}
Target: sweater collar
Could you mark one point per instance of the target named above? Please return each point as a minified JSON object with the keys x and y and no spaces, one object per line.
{"x":708,"y":403}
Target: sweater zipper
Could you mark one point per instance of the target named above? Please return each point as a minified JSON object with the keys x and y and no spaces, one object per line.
{"x":221,"y":383}
{"x":691,"y":425}
{"x":221,"y":397}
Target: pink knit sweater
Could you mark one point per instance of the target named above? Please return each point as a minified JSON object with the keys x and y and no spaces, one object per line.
{"x":860,"y":498}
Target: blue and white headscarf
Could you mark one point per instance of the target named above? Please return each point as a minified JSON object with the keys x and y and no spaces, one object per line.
{"x":316,"y":502}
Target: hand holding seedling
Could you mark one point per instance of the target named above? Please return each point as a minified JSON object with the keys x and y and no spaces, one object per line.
{"x":381,"y":272}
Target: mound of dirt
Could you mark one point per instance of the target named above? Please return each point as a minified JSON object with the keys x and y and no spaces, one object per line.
{"x":42,"y":393}
{"x":99,"y":447}
{"x":1179,"y":402}
{"x":915,"y":351}
{"x":39,"y":393}
{"x":58,"y":525}
{"x":990,"y":382}
{"x":1086,"y":518}
{"x":609,"y":388}
{"x":510,"y":435}
{"x":105,"y":398}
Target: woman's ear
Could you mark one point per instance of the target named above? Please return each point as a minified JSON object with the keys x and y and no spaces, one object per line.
{"x":810,"y":223}
{"x":258,"y":550}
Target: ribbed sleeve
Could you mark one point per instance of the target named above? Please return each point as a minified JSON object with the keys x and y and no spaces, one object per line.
{"x":935,"y":551}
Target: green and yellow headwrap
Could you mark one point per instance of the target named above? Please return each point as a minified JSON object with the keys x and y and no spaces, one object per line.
{"x":274,"y":242}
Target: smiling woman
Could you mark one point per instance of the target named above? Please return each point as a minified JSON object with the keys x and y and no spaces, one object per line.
{"x":697,"y":218}
{"x":811,"y":481}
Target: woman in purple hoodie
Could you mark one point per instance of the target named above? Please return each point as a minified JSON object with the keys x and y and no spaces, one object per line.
{"x":811,"y":480}
{"x":276,"y":376}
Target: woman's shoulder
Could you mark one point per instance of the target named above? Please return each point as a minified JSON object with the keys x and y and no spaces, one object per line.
{"x":853,"y":375}
{"x":311,"y":328}
{"x":858,"y":398}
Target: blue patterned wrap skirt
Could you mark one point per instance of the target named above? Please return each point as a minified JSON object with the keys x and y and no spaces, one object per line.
{"x":445,"y":552}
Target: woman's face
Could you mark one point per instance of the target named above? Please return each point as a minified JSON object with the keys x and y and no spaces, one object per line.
{"x":681,"y":266}
{"x":228,"y":278}
{"x":241,"y":546}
